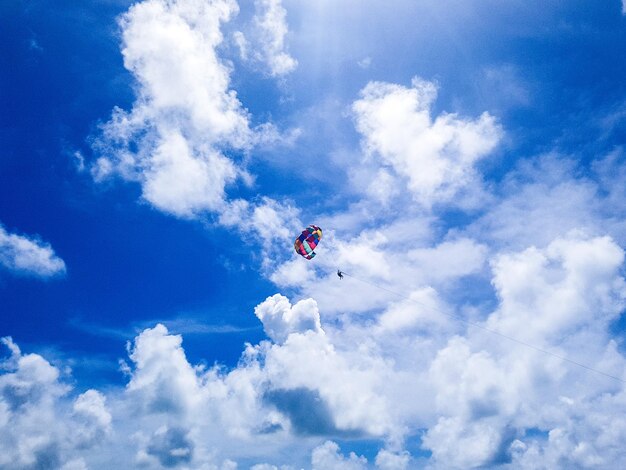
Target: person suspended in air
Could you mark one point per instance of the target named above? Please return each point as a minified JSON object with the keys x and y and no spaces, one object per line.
{"x":340,"y":274}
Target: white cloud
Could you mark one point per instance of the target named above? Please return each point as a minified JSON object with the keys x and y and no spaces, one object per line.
{"x":351,"y":358}
{"x":186,"y":137}
{"x":542,"y":199}
{"x":180,"y":414}
{"x":267,"y":38}
{"x":30,"y":256}
{"x":162,"y":379}
{"x":386,"y":367}
{"x":489,"y":390}
{"x":328,"y":457}
{"x":265,"y":396}
{"x":436,"y":156}
{"x":185,"y":113}
{"x":365,"y":62}
{"x":386,"y":460}
{"x":586,"y":438}
{"x":343,"y":386}
{"x":280,"y":319}
{"x":179,"y":183}
{"x":91,"y":413}
{"x":476,"y":395}
{"x":79,"y":161}
{"x":170,"y":48}
{"x":421,"y":309}
{"x":610,"y":172}
{"x":264,"y":466}
{"x":450,"y":259}
{"x":267,"y":225}
{"x":36,"y":428}
{"x":574,"y":281}
{"x":399,"y":256}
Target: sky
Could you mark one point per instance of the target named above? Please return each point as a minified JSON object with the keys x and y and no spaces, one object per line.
{"x":465,"y":159}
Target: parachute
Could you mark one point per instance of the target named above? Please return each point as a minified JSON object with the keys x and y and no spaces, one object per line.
{"x":307,"y":241}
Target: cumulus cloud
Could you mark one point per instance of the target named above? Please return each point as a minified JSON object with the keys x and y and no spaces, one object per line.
{"x":352,"y":359}
{"x":28,"y":255}
{"x":266,"y":466}
{"x":304,"y":385}
{"x":280,"y":319}
{"x":489,"y":392}
{"x":435,"y":156}
{"x":185,"y":113}
{"x":386,"y":460}
{"x":37,"y":430}
{"x":477,"y":397}
{"x":162,"y":379}
{"x":401,"y":256}
{"x":92,"y":416}
{"x":171,"y":446}
{"x":379,"y":354}
{"x":343,"y":385}
{"x":187,"y":135}
{"x":328,"y":456}
{"x":574,"y":281}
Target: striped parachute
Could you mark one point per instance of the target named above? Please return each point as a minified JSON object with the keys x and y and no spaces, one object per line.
{"x":307,"y":241}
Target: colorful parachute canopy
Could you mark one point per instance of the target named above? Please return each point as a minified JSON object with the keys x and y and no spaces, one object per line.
{"x":307,"y":241}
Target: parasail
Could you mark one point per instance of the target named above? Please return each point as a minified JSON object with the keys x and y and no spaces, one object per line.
{"x":307,"y":241}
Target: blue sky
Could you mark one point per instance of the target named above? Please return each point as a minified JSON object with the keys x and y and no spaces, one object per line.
{"x":465,"y":160}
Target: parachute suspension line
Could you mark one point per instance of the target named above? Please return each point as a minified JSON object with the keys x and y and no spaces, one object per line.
{"x":477,"y":325}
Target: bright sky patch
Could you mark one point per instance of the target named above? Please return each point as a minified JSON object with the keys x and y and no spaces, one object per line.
{"x":464,"y":308}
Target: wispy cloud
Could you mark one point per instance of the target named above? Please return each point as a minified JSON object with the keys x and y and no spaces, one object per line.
{"x":264,"y":43}
{"x":179,"y":325}
{"x":365,"y":62}
{"x":25,"y":255}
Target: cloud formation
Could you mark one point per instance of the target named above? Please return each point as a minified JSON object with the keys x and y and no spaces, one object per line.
{"x":28,"y":256}
{"x":185,"y":115}
{"x":265,"y":43}
{"x":436,"y":156}
{"x":40,"y":426}
{"x":328,"y":456}
{"x":280,"y":319}
{"x":481,"y":400}
{"x":383,"y":354}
